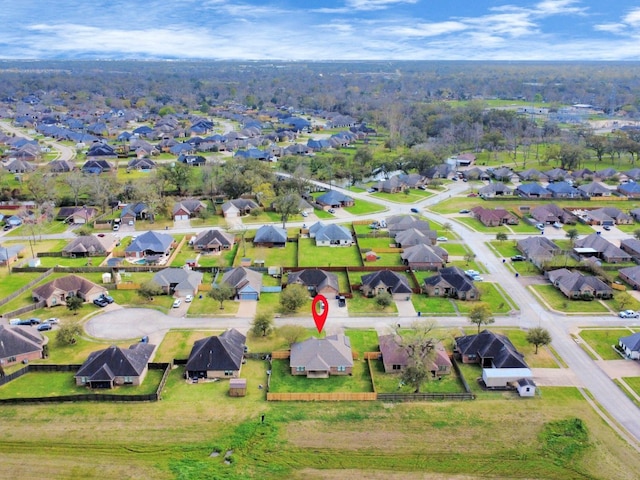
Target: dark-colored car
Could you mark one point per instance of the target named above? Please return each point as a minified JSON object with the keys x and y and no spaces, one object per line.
{"x":100,"y":302}
{"x":44,"y":327}
{"x":415,"y":210}
{"x":606,"y":227}
{"x":518,"y":258}
{"x":106,"y":298}
{"x":30,"y":321}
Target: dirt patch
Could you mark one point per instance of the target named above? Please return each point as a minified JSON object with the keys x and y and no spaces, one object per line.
{"x":313,"y":474}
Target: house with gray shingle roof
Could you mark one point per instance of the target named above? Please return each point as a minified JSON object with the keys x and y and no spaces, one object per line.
{"x":213,"y":240}
{"x":494,"y":217}
{"x":317,"y":281}
{"x":322,"y":357}
{"x":532,"y":190}
{"x":387,"y":281}
{"x":575,"y":285}
{"x":90,"y":245}
{"x":495,"y":189}
{"x":424,"y":257}
{"x":631,"y":275}
{"x":238,"y":207}
{"x":218,"y":356}
{"x":270,"y":236}
{"x":188,"y":208}
{"x":19,"y":344}
{"x":631,"y":346}
{"x":115,"y":366}
{"x":631,"y":246}
{"x":335,"y":199}
{"x":332,"y":235}
{"x":451,"y":282}
{"x":595,"y":189}
{"x":538,"y":249}
{"x":10,"y":253}
{"x":56,"y":291}
{"x":412,"y":236}
{"x":596,"y":245}
{"x":150,"y":246}
{"x":247,"y":283}
{"x":178,"y":281}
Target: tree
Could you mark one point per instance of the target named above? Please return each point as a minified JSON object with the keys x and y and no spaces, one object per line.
{"x":77,"y":183}
{"x":501,"y":237}
{"x":480,"y":314}
{"x":149,"y":290}
{"x":68,"y":332}
{"x":384,"y":299}
{"x":538,"y":336}
{"x":572,"y":235}
{"x":287,"y":205}
{"x":291,"y":333}
{"x":419,"y":343}
{"x":623,"y":299}
{"x":262,"y":324}
{"x":446,"y":226}
{"x":293,"y":297}
{"x":636,"y":234}
{"x":468,"y":257}
{"x":74,"y":303}
{"x":222,"y":292}
{"x":179,"y":175}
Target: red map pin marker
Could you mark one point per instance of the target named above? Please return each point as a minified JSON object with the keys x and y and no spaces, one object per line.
{"x":321,"y":317}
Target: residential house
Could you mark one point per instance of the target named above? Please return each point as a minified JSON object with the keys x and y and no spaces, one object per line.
{"x":595,"y":189}
{"x":582,"y":174}
{"x":631,"y":246}
{"x":150,"y":246}
{"x":10,"y":253}
{"x":322,"y":357}
{"x":607,"y":174}
{"x":629,"y":189}
{"x":387,"y":281}
{"x":238,"y":207}
{"x":246,"y":283}
{"x":115,"y":366}
{"x":191,"y":160}
{"x":101,"y":244}
{"x":318,"y":282}
{"x":218,"y":356}
{"x":631,"y":275}
{"x":413,"y":236}
{"x":394,"y":184}
{"x":595,"y":245}
{"x":501,"y":362}
{"x":635,"y":213}
{"x":532,"y":190}
{"x":424,"y":257}
{"x":331,"y":235}
{"x":270,"y":236}
{"x":61,"y":166}
{"x":475,"y":173}
{"x":494,"y":217}
{"x":451,"y":282}
{"x":178,"y":281}
{"x":19,"y":345}
{"x":188,"y":208}
{"x":143,"y":163}
{"x":335,"y":199}
{"x":465,"y":159}
{"x":575,"y":285}
{"x":615,"y":214}
{"x":532,"y":175}
{"x":20,"y":166}
{"x":97,"y":166}
{"x":563,"y":190}
{"x":495,"y":189}
{"x":56,"y":291}
{"x":538,"y":249}
{"x":400,"y":223}
{"x":630,"y":345}
{"x":133,"y":212}
{"x":395,"y":358}
{"x":501,"y":174}
{"x":438,"y":171}
{"x":550,"y":213}
{"x":77,"y":215}
{"x":557,"y":175}
{"x":213,"y":240}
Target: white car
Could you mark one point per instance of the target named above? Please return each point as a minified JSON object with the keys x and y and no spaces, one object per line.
{"x":177,"y":303}
{"x":188,"y":298}
{"x":442,"y":239}
{"x":52,"y":320}
{"x":477,"y":278}
{"x":628,"y":314}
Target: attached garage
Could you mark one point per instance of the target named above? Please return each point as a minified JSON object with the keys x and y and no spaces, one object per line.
{"x":248,"y":294}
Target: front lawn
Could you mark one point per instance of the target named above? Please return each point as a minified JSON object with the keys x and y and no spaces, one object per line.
{"x":392,"y":382}
{"x":433,"y":305}
{"x":178,"y":343}
{"x":362,"y":207}
{"x":208,"y":307}
{"x":490,"y":294}
{"x":311,"y":256}
{"x":362,"y":340}
{"x":360,"y":305}
{"x":283,"y":382}
{"x":557,"y":301}
{"x":602,"y":340}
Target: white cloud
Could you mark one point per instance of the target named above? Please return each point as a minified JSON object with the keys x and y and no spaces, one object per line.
{"x":633,"y":17}
{"x":423,"y":29}
{"x":557,"y":7}
{"x":374,"y":4}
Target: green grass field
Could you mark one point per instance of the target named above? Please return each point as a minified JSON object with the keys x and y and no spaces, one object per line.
{"x":311,"y":256}
{"x":602,"y":340}
{"x":282,"y":380}
{"x":558,"y":301}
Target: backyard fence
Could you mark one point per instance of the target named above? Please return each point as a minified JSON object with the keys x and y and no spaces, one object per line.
{"x":281,"y":354}
{"x":423,"y":397}
{"x":28,"y":286}
{"x":322,"y":397}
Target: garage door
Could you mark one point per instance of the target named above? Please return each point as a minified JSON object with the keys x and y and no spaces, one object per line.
{"x":249,"y":296}
{"x":182,"y":217}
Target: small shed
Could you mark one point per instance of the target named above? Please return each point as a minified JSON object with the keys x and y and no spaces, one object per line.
{"x":526,"y":387}
{"x":237,"y":387}
{"x":370,"y":256}
{"x":106,"y":277}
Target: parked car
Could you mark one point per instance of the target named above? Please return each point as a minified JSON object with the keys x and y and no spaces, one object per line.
{"x":442,"y":239}
{"x":518,"y":258}
{"x":540,"y":226}
{"x":106,"y":298}
{"x":331,"y":210}
{"x":471,"y":273}
{"x":188,"y":298}
{"x":464,"y":210}
{"x":304,"y":214}
{"x":477,"y":278}
{"x":371,"y":190}
{"x":177,"y":303}
{"x":15,"y":321}
{"x":52,"y":321}
{"x":415,"y":210}
{"x":628,"y":314}
{"x":100,"y":302}
{"x":557,"y":225}
{"x":606,"y":227}
{"x":30,"y":321}
{"x":44,"y":327}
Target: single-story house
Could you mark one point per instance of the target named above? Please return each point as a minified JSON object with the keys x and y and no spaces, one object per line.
{"x":132,"y":212}
{"x":538,"y":249}
{"x":188,"y":208}
{"x":218,"y":356}
{"x":563,"y":190}
{"x":10,"y":253}
{"x":56,"y":291}
{"x":331,"y":235}
{"x":424,"y":257}
{"x":631,"y":346}
{"x":335,"y":199}
{"x":495,"y":189}
{"x":80,"y":215}
{"x":395,"y":358}
{"x":386,"y":281}
{"x":631,"y":275}
{"x":270,"y":236}
{"x":575,"y":285}
{"x":213,"y":240}
{"x":322,"y":357}
{"x":238,"y":207}
{"x":595,"y":245}
{"x":494,"y":217}
{"x":532,"y":190}
{"x":90,"y":245}
{"x":150,"y":245}
{"x":595,"y":189}
{"x":451,"y":282}
{"x":317,"y":281}
{"x":115,"y":366}
{"x":19,"y":344}
{"x":247,"y":283}
{"x":178,"y":281}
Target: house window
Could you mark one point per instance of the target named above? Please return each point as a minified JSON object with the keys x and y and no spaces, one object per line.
{"x":228,"y":373}
{"x":436,"y":291}
{"x":442,"y":368}
{"x":342,"y":368}
{"x":299,"y":369}
{"x":128,"y":380}
{"x":11,"y":359}
{"x":471,"y":356}
{"x":396,"y":367}
{"x":83,"y":380}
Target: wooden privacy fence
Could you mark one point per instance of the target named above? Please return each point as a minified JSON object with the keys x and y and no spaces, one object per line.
{"x":423,"y":397}
{"x":322,"y":397}
{"x":281,"y":354}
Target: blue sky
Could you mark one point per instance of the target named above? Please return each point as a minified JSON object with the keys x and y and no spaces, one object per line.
{"x":321,"y":30}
